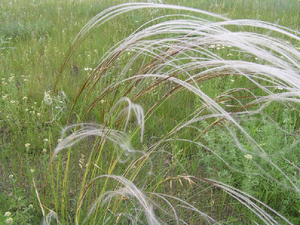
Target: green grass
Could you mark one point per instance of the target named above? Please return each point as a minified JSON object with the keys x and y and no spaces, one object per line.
{"x":187,"y":150}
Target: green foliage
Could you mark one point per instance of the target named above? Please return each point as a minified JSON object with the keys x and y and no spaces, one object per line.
{"x":255,"y":175}
{"x":35,"y":37}
{"x":16,"y":205}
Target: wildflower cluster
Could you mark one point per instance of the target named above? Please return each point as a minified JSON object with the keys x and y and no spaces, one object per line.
{"x":8,"y":220}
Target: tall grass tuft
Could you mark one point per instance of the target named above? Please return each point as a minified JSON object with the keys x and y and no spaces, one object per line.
{"x":187,"y":95}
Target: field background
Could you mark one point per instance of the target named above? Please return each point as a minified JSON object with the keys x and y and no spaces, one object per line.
{"x":35,"y":37}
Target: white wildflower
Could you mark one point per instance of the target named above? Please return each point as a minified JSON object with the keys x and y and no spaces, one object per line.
{"x":9,"y":221}
{"x":27,"y":145}
{"x":47,"y":98}
{"x":7,"y":214}
{"x":248,"y":156}
{"x":11,"y":78}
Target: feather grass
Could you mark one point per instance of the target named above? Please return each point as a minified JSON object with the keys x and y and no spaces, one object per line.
{"x":175,"y":54}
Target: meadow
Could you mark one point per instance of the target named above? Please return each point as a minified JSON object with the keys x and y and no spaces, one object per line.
{"x":142,"y":113}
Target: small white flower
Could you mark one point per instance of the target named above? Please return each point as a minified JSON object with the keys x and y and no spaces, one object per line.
{"x":31,"y":170}
{"x":27,"y":145}
{"x":44,"y":150}
{"x":59,"y":140}
{"x":38,"y":114}
{"x":47,"y":98}
{"x":9,"y":221}
{"x":30,"y":206}
{"x":7,"y":214}
{"x":248,"y":156}
{"x":4,"y":96}
{"x":25,"y":97}
{"x":11,"y":176}
{"x":11,"y":78}
{"x":46,"y":140}
{"x":12,"y":101}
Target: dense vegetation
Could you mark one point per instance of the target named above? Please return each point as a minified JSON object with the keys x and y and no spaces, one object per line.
{"x":157,"y":115}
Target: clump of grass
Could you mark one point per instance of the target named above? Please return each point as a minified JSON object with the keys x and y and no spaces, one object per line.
{"x":196,"y":82}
